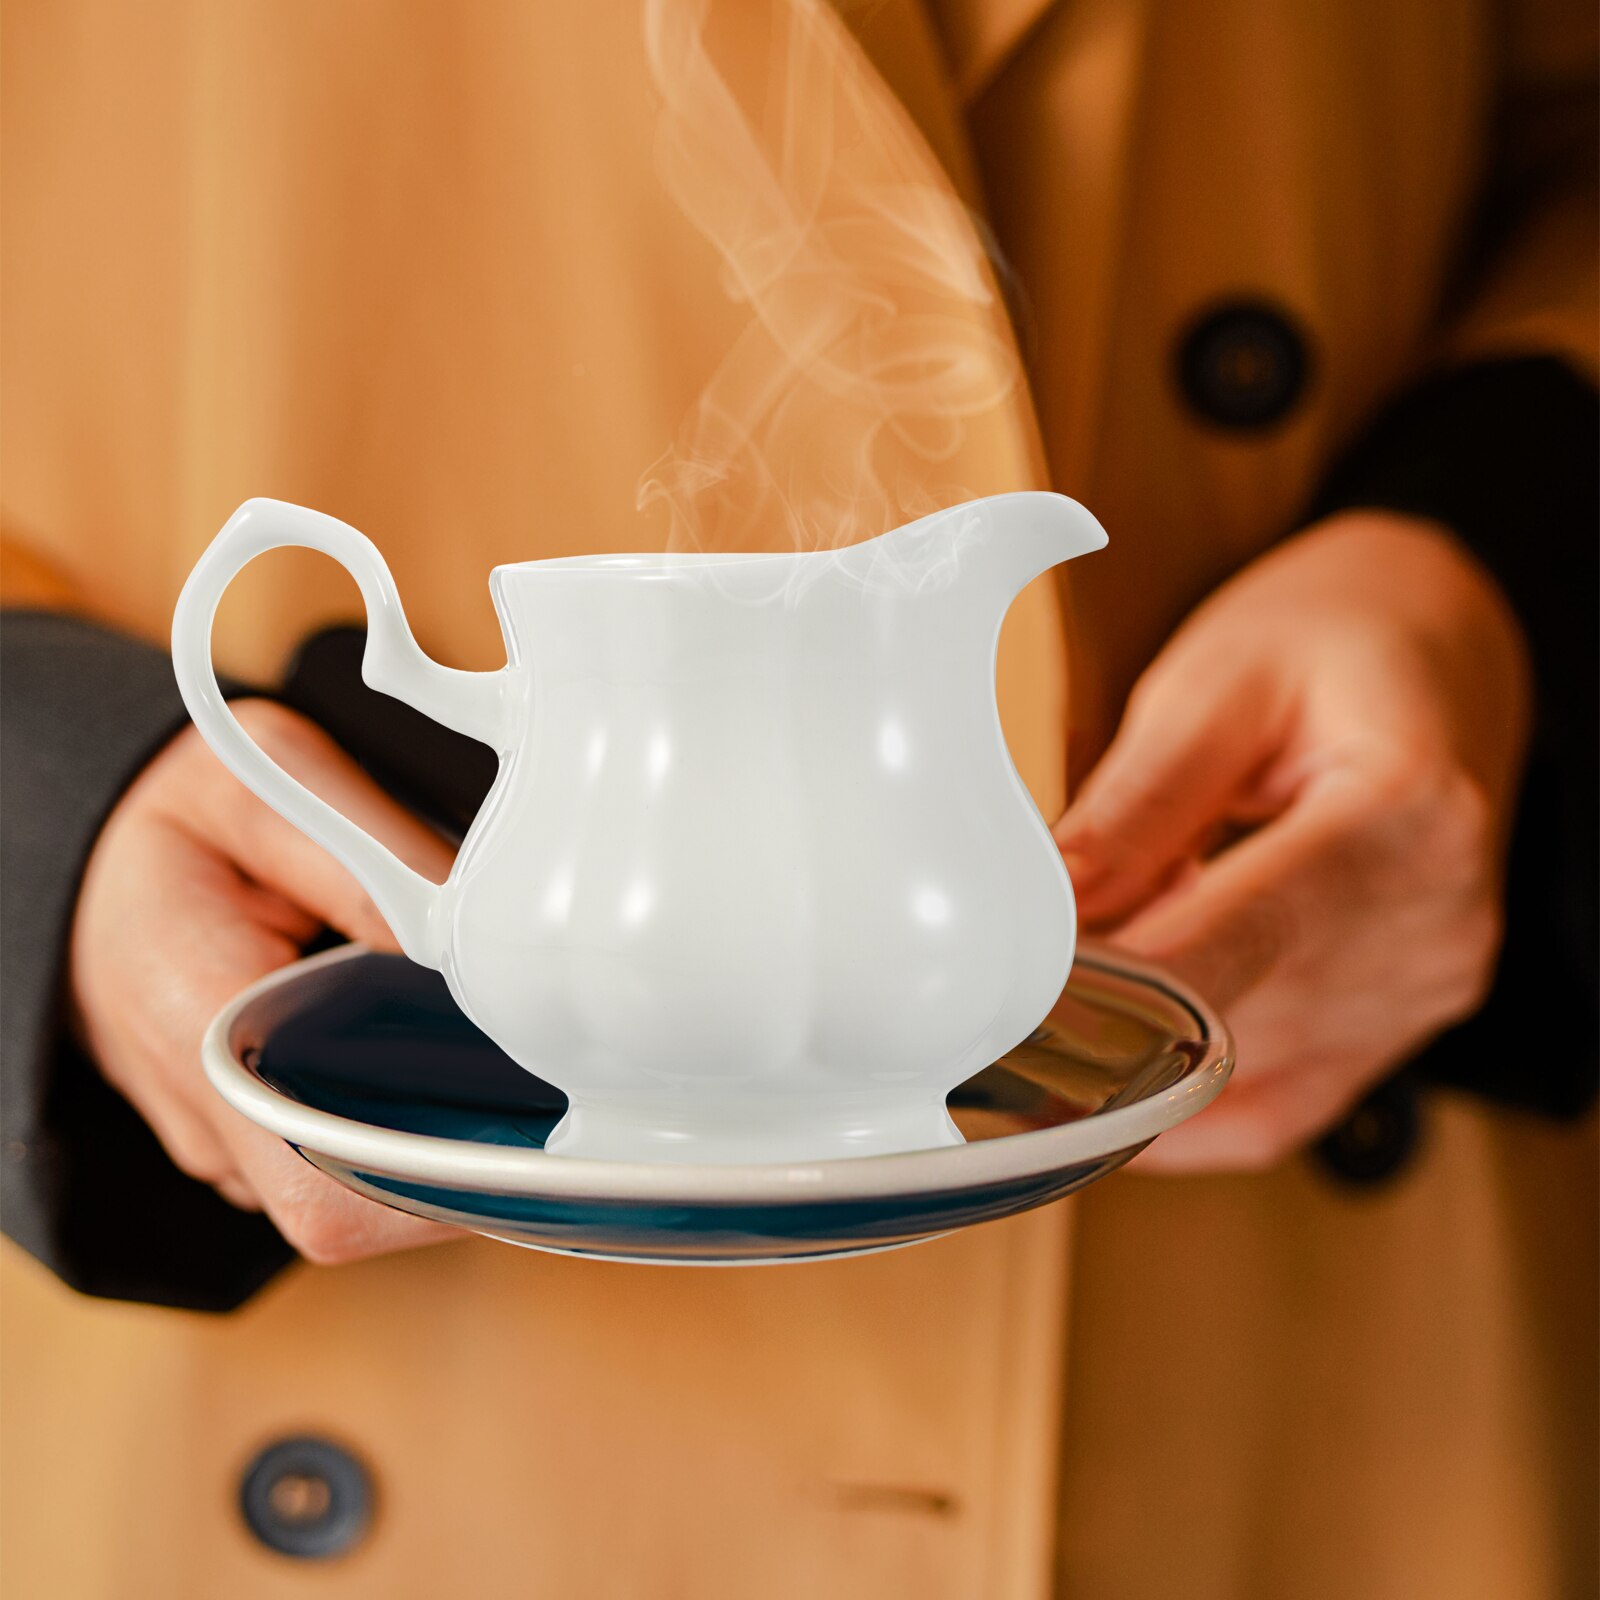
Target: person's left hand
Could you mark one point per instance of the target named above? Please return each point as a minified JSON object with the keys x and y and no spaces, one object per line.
{"x":1304,"y":813}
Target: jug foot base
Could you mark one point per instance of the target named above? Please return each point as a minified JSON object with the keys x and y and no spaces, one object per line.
{"x":775,"y":1133}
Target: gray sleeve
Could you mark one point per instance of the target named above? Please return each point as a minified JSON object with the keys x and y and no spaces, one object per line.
{"x":85,"y":1187}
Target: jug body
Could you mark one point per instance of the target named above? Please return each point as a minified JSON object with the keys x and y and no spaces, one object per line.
{"x":759,"y":875}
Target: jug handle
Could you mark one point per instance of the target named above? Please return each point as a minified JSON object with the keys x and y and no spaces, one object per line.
{"x":473,"y":703}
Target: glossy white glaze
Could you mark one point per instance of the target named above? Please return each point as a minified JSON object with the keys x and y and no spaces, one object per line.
{"x":757,"y":880}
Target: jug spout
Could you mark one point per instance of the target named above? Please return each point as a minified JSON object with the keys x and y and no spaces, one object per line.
{"x":1018,"y":536}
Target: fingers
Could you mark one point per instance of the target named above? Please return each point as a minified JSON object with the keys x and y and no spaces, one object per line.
{"x":1326,"y":965}
{"x":322,"y":1220}
{"x":277,"y":856}
{"x":1185,"y":749}
{"x":1241,"y":916}
{"x":189,"y":1139}
{"x":238,"y":1193}
{"x":249,"y":1167}
{"x":256,"y":1171}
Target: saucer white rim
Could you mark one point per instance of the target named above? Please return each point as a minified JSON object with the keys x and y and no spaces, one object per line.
{"x":509,"y":1170}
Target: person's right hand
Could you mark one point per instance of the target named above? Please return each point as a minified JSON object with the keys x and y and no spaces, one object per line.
{"x":195,"y":889}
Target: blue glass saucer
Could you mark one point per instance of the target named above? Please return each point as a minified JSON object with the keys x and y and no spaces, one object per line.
{"x":366,"y":1066}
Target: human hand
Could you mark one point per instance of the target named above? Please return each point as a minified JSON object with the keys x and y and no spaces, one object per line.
{"x":1304,"y":814}
{"x":194,"y":889}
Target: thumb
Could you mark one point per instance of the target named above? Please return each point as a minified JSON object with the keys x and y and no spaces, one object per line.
{"x":1245,"y":911}
{"x":1187,"y":745}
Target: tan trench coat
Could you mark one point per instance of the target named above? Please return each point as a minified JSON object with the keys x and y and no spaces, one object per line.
{"x":411,"y":264}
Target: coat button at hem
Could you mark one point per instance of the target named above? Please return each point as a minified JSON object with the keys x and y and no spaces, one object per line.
{"x":1242,"y":365}
{"x":307,"y":1498}
{"x":1377,"y":1141}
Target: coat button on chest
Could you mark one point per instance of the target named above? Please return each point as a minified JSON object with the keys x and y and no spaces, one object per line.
{"x":307,"y":1498}
{"x":1377,"y":1141}
{"x":1242,"y":365}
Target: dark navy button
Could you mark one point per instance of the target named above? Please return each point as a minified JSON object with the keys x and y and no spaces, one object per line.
{"x":307,"y":1498}
{"x":1242,"y":365}
{"x":1378,"y":1140}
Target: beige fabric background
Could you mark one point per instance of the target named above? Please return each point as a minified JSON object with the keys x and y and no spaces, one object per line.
{"x":410,"y":264}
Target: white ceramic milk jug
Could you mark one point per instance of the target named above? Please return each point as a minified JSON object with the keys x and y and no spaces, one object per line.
{"x":757,"y":880}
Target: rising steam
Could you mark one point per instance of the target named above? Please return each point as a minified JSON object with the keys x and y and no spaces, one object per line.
{"x":873,"y":339}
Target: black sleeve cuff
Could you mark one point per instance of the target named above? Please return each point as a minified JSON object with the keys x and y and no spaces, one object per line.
{"x":85,"y":1187}
{"x":1507,"y":455}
